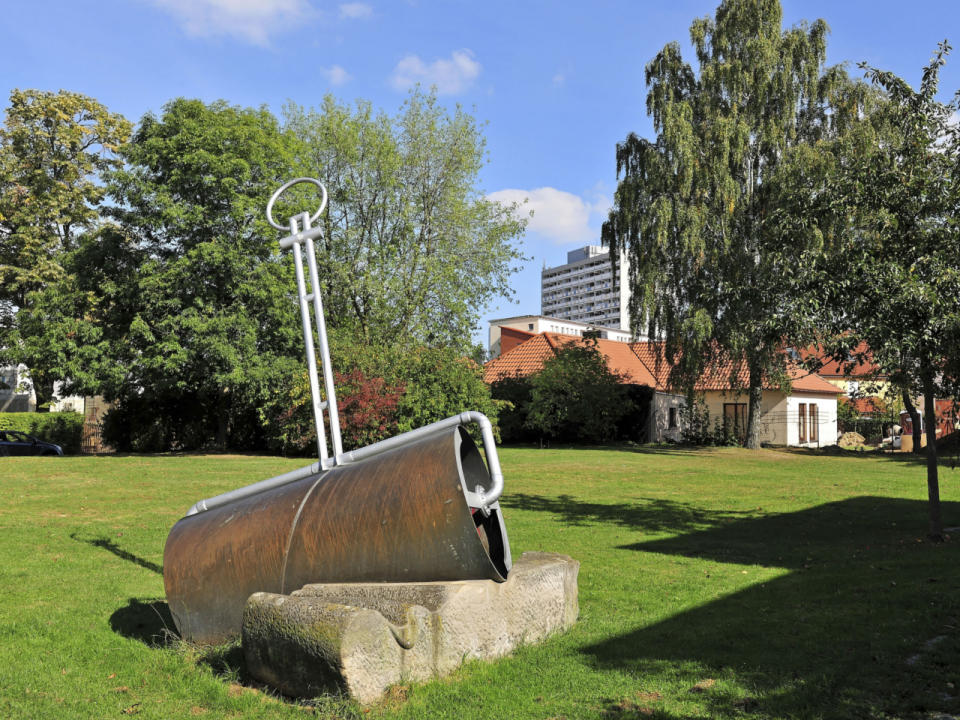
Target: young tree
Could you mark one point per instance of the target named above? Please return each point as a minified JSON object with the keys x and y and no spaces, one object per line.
{"x":54,"y":148}
{"x":575,"y":396}
{"x":896,"y":191}
{"x":690,"y":206}
{"x":412,"y":250}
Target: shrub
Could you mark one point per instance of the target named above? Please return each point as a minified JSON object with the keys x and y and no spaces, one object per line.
{"x":63,"y":428}
{"x":575,"y":397}
{"x":515,"y":393}
{"x":382,"y":391}
{"x":697,"y":428}
{"x":367,"y":408}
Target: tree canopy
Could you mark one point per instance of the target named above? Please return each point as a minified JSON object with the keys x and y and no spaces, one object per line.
{"x":54,"y":147}
{"x":142,"y":266}
{"x":576,"y":397}
{"x":412,"y":250}
{"x":893,"y":203}
{"x":204,"y":327}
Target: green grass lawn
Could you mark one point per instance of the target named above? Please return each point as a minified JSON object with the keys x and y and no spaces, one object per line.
{"x":713,"y":584}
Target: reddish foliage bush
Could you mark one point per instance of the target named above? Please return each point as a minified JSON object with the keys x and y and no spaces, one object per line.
{"x":367,"y":407}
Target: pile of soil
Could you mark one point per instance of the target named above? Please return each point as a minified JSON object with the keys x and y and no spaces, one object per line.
{"x":851,"y":439}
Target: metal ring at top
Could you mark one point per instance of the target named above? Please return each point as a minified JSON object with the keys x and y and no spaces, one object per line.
{"x":278,"y":193}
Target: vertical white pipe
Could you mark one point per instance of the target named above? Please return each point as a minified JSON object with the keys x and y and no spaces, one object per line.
{"x":308,"y":337}
{"x":332,"y":413}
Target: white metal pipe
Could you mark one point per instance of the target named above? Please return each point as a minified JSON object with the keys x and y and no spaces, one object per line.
{"x":308,"y":340}
{"x":332,"y":412}
{"x":258,"y":487}
{"x":488,"y":497}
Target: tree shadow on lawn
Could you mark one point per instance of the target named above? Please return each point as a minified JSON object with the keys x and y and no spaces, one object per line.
{"x":650,"y":514}
{"x":845,"y":634}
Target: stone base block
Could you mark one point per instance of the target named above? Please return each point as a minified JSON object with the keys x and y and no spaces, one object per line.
{"x":364,"y":637}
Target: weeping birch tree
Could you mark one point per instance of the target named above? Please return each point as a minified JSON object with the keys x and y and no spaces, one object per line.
{"x":690,"y":205}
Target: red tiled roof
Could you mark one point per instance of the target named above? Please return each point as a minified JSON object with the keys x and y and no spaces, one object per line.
{"x":525,"y":359}
{"x":718,"y":376}
{"x":511,"y":337}
{"x":637,"y":364}
{"x":866,"y":405}
{"x":860,"y":365}
{"x":806,"y":381}
{"x":620,"y":359}
{"x":528,"y":357}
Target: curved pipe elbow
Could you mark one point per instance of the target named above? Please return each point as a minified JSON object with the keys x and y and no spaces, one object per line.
{"x":490,"y":450}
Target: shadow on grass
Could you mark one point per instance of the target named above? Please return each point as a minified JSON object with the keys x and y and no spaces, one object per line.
{"x":148,"y":621}
{"x":646,"y":449}
{"x":650,"y":514}
{"x":844,"y":634}
{"x":110,"y":546}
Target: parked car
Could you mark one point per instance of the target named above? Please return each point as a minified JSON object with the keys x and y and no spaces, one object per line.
{"x":14,"y":442}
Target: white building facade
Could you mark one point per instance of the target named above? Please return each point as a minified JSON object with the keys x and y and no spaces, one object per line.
{"x":588,"y":289}
{"x":536,"y":324}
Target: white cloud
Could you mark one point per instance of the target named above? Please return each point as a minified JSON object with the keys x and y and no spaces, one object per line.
{"x":355,"y":11}
{"x":557,"y":215}
{"x":559,"y":80}
{"x":251,"y":20}
{"x":336,"y":75}
{"x":449,"y":76}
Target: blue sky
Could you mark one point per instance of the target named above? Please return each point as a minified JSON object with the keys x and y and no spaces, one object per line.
{"x":558,"y":84}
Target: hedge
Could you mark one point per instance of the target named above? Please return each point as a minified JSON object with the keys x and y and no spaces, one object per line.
{"x":62,"y":428}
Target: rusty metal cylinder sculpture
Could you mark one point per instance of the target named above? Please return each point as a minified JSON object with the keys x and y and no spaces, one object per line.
{"x":401,"y":516}
{"x":421,"y":506}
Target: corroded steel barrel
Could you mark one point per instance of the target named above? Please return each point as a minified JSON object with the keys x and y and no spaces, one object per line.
{"x":401,"y":516}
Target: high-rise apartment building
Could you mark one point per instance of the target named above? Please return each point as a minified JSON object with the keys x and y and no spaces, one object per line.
{"x":588,"y":289}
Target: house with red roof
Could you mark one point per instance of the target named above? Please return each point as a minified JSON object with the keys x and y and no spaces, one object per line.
{"x":857,"y":375}
{"x":806,"y":416}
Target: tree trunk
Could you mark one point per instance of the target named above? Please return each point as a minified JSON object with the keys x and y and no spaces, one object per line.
{"x":44,"y":391}
{"x":933,"y":481}
{"x":914,"y":420}
{"x":753,"y":412}
{"x":223,"y":418}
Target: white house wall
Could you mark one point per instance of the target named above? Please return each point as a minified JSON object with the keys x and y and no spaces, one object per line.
{"x":660,"y":429}
{"x":779,"y":415}
{"x":826,"y":419}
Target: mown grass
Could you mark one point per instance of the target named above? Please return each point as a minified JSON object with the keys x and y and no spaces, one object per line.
{"x":713,"y":584}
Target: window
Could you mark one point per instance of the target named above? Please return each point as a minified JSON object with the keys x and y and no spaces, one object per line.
{"x":814,"y":434}
{"x":672,"y":421}
{"x":735,"y":420}
{"x":529,"y":326}
{"x":803,"y":422}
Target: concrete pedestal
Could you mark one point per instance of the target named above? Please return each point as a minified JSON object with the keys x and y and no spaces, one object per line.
{"x":364,"y":637}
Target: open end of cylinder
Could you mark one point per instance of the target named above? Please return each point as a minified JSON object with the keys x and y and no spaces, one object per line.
{"x":490,"y":528}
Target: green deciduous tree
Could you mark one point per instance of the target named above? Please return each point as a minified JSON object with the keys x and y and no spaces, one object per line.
{"x":204,"y":327}
{"x":690,"y":207}
{"x":894,"y":195}
{"x":54,"y":147}
{"x":575,"y":396}
{"x":412,"y":250}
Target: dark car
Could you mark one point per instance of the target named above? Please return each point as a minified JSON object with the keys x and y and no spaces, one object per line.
{"x":14,"y":442}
